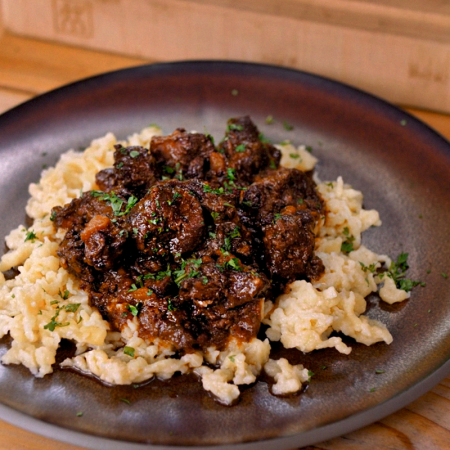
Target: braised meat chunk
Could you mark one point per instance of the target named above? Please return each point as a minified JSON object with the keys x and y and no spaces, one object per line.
{"x":168,"y":219}
{"x":246,"y":150}
{"x":189,"y":239}
{"x":133,"y":173}
{"x":185,"y":155}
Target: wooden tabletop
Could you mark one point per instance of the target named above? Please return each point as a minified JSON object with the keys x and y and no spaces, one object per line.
{"x":29,"y":67}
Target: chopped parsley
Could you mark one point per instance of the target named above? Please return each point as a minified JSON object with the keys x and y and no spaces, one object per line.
{"x":129,"y":351}
{"x":64,"y":295}
{"x":134,"y":153}
{"x":72,"y":307}
{"x":53,"y":323}
{"x":227,"y":244}
{"x":231,"y":174}
{"x":30,"y":236}
{"x":347,"y":245}
{"x":181,"y":273}
{"x":208,"y":189}
{"x":287,"y":126}
{"x":116,"y":202}
{"x":175,"y":196}
{"x":240,"y":148}
{"x":234,"y":127}
{"x":234,"y":263}
{"x":130,"y":203}
{"x":371,"y":268}
{"x":397,"y":271}
{"x":135,"y":310}
{"x":170,"y":306}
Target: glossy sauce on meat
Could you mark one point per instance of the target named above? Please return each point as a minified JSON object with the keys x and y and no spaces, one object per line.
{"x":190,"y":237}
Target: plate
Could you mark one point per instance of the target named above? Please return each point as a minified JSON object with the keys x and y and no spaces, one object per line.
{"x":402,"y":167}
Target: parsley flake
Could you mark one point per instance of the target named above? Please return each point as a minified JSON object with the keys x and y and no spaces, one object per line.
{"x":135,"y":310}
{"x":234,"y":263}
{"x":287,"y":126}
{"x":397,"y":271}
{"x":30,"y":236}
{"x":347,"y":245}
{"x":129,"y":351}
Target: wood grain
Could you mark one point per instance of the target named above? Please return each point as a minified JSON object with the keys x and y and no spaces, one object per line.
{"x":388,"y":48}
{"x":424,"y":19}
{"x":29,"y":67}
{"x":34,"y":67}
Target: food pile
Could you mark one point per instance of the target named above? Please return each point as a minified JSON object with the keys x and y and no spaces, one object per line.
{"x":165,"y":254}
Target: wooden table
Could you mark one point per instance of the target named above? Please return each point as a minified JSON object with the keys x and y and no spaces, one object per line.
{"x":30,"y":67}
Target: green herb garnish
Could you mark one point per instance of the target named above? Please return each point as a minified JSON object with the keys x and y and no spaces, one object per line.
{"x":30,"y":236}
{"x":347,"y":245}
{"x":135,"y":310}
{"x":129,"y":351}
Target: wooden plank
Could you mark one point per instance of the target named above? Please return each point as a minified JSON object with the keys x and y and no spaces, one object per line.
{"x":381,"y":48}
{"x":436,"y":6}
{"x":35,"y":66}
{"x":425,"y":20}
{"x":10,"y":98}
{"x":13,"y":438}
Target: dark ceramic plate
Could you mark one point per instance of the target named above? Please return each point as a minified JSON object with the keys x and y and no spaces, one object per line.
{"x":401,"y":165}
